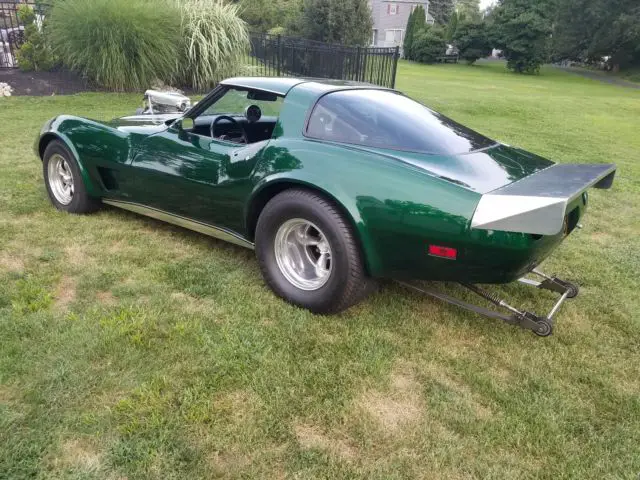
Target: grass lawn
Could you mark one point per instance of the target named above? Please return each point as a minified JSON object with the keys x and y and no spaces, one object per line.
{"x":133,"y":349}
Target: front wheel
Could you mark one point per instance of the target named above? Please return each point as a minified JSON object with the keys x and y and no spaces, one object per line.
{"x":64,"y":182}
{"x":309,"y":254}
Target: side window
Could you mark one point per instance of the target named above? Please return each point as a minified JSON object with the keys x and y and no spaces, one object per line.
{"x":386,"y":119}
{"x":339,"y":121}
{"x":332,"y":121}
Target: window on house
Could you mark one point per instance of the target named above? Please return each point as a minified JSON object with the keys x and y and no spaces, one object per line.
{"x":392,"y":8}
{"x":393,"y":36}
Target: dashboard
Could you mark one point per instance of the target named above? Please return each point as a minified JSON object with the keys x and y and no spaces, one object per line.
{"x":256,"y":131}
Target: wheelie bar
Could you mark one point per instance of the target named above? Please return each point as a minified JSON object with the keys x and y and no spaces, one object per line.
{"x":542,"y":326}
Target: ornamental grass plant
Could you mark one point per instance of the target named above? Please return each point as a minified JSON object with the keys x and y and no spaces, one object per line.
{"x":118,"y":44}
{"x":126,"y":45}
{"x":215,"y":42}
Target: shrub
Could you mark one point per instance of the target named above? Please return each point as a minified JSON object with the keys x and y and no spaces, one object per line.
{"x":348,"y":22}
{"x":277,"y":31}
{"x":215,"y":42}
{"x":118,"y":44}
{"x":428,"y":44}
{"x":265,"y":15}
{"x":522,"y":30}
{"x":472,"y":41}
{"x":35,"y":53}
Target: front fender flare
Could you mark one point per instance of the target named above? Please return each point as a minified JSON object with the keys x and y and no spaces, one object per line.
{"x":48,"y":136}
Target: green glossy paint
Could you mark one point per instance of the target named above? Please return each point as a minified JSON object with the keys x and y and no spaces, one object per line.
{"x":398,"y":202}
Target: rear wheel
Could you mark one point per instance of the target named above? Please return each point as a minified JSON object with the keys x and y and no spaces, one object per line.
{"x":308,"y":253}
{"x":64,"y":182}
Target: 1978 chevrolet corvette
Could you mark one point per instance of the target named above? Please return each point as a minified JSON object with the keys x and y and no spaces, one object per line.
{"x":335,"y":184}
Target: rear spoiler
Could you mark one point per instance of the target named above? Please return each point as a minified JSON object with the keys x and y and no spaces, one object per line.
{"x":537,"y":204}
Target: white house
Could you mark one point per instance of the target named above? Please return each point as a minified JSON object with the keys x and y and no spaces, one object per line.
{"x":390,"y":20}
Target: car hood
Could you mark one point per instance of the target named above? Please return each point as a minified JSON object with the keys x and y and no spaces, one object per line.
{"x":482,"y":171}
{"x":144,"y":124}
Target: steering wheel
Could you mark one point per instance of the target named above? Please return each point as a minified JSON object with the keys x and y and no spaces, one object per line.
{"x":236,"y":127}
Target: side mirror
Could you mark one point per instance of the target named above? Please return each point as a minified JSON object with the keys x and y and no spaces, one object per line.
{"x":187,"y":124}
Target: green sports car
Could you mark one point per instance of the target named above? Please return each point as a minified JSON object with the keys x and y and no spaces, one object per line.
{"x":335,"y":184}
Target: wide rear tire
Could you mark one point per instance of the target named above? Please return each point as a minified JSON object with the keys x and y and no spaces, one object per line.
{"x":64,"y":182}
{"x":309,"y":254}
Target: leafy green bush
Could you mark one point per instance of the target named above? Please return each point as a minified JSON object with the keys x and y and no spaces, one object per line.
{"x":472,"y":41}
{"x":428,"y":44}
{"x":35,"y":53}
{"x":336,"y":21}
{"x":266,"y":15}
{"x":215,"y":42}
{"x":522,"y":30}
{"x":119,"y":44}
{"x":277,"y":31}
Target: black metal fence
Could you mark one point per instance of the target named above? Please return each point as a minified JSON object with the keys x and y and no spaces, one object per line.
{"x":270,"y":55}
{"x":12,"y":29}
{"x":276,"y":55}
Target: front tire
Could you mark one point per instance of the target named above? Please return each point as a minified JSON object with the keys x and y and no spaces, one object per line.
{"x":63,"y":180}
{"x":308,"y":253}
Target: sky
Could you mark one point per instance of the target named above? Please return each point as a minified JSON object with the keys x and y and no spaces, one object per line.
{"x":485,"y":3}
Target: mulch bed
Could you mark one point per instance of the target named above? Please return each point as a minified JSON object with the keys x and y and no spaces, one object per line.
{"x":59,"y":82}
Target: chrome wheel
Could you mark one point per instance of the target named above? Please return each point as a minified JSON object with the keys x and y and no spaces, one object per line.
{"x":60,"y":179}
{"x":303,"y":254}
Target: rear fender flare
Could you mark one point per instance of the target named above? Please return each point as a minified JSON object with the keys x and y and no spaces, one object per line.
{"x":48,"y":137}
{"x":270,"y":186}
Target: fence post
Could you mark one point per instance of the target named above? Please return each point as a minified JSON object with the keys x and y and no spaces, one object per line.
{"x":279,"y":52}
{"x":363,"y":70}
{"x":396,"y":56}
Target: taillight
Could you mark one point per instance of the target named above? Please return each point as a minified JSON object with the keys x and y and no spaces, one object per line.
{"x":443,"y":252}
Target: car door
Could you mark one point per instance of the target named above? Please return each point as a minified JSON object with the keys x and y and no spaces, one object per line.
{"x":194,"y":176}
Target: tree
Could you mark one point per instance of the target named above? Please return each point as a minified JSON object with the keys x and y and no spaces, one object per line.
{"x":348,"y":22}
{"x":587,"y":30}
{"x":417,"y":21}
{"x":265,"y":15}
{"x":441,"y":10}
{"x":408,"y":35}
{"x":456,"y":18}
{"x":468,"y":8}
{"x":522,"y":30}
{"x":472,"y":41}
{"x":429,"y":44}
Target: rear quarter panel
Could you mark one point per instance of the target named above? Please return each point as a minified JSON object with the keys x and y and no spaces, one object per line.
{"x":396,"y":209}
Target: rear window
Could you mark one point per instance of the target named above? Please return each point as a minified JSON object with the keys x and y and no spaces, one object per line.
{"x":385,"y":119}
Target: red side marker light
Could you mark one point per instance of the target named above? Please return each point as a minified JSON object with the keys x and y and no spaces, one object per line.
{"x":443,"y":252}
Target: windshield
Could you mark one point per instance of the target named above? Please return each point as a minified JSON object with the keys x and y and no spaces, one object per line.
{"x":235,"y":101}
{"x":386,"y":119}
